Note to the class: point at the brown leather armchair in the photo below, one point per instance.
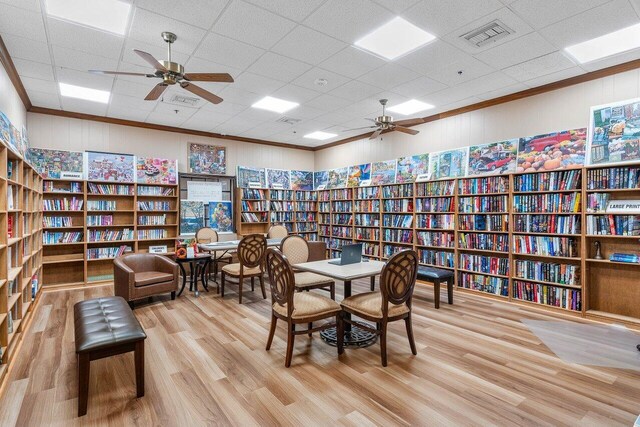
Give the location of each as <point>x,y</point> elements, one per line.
<point>142,275</point>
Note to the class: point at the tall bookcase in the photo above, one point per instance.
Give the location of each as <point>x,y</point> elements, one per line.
<point>324,219</point>
<point>341,219</point>
<point>252,211</point>
<point>306,214</point>
<point>281,209</point>
<point>367,220</point>
<point>435,223</point>
<point>397,218</point>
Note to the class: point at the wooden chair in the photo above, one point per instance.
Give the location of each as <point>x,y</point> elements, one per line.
<point>277,231</point>
<point>206,235</point>
<point>296,249</point>
<point>251,251</point>
<point>296,307</point>
<point>392,303</point>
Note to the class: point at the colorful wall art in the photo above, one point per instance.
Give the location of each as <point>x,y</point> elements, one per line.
<point>551,151</point>
<point>301,180</point>
<point>57,164</point>
<point>320,179</point>
<point>150,170</point>
<point>337,178</point>
<point>209,159</point>
<point>5,129</point>
<point>614,132</point>
<point>221,216</point>
<point>247,177</point>
<point>383,172</point>
<point>278,178</point>
<point>359,174</point>
<point>494,158</point>
<point>191,216</point>
<point>448,164</point>
<point>110,167</point>
<point>411,166</point>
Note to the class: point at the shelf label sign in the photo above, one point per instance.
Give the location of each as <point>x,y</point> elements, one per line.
<point>365,183</point>
<point>624,207</point>
<point>254,184</point>
<point>158,249</point>
<point>71,175</point>
<point>423,177</point>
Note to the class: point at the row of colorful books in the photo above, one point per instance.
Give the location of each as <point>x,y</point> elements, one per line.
<point>342,232</point>
<point>146,190</point>
<point>53,187</point>
<point>99,220</point>
<point>563,274</point>
<point>152,219</point>
<point>561,224</point>
<point>484,264</point>
<point>367,206</point>
<point>281,195</point>
<point>101,205</point>
<point>397,235</point>
<point>435,188</point>
<point>483,204</point>
<point>367,233</point>
<point>154,206</point>
<point>480,282</point>
<point>484,242</point>
<point>570,299</point>
<point>56,221</point>
<point>398,205</point>
<point>110,235</point>
<point>545,245</point>
<point>53,237</point>
<point>281,206</point>
<point>548,181</point>
<point>481,222</point>
<point>367,193</point>
<point>492,184</point>
<point>154,233</point>
<point>107,253</point>
<point>437,258</point>
<point>403,221</point>
<point>311,196</point>
<point>72,204</point>
<point>446,221</point>
<point>613,225</point>
<point>110,189</point>
<point>435,238</point>
<point>254,217</point>
<point>341,207</point>
<point>250,193</point>
<point>402,190</point>
<point>369,220</point>
<point>444,204</point>
<point>551,203</point>
<point>613,178</point>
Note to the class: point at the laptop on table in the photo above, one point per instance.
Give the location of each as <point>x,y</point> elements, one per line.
<point>351,254</point>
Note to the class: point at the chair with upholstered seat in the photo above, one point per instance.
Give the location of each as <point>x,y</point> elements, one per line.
<point>207,235</point>
<point>277,231</point>
<point>251,251</point>
<point>137,276</point>
<point>296,307</point>
<point>393,302</point>
<point>296,249</point>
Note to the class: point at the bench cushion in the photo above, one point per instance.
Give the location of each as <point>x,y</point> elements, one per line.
<point>102,323</point>
<point>147,278</point>
<point>430,273</point>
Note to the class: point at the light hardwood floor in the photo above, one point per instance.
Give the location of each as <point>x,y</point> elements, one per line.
<point>477,364</point>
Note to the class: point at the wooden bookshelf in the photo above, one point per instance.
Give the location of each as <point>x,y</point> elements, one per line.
<point>341,219</point>
<point>281,209</point>
<point>156,227</point>
<point>397,231</point>
<point>252,211</point>
<point>324,219</point>
<point>367,220</point>
<point>306,214</point>
<point>435,223</point>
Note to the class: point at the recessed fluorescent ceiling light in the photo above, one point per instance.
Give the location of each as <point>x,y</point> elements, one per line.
<point>274,104</point>
<point>106,15</point>
<point>394,39</point>
<point>410,107</point>
<point>320,135</point>
<point>85,93</point>
<point>607,45</point>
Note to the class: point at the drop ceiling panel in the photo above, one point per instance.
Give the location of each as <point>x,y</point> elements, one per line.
<point>22,23</point>
<point>352,62</point>
<point>396,6</point>
<point>388,76</point>
<point>541,13</point>
<point>37,85</point>
<point>165,119</point>
<point>296,94</point>
<point>307,45</point>
<point>28,49</point>
<point>518,50</point>
<point>81,61</point>
<point>45,100</point>
<point>147,26</point>
<point>227,51</point>
<point>420,87</point>
<point>80,78</point>
<point>432,56</point>
<point>328,102</point>
<point>539,67</point>
<point>555,76</point>
<point>158,49</point>
<point>201,13</point>
<point>77,37</point>
<point>308,80</point>
<point>355,91</point>
<point>128,114</point>
<point>138,89</point>
<point>33,69</point>
<point>442,17</point>
<point>32,5</point>
<point>293,9</point>
<point>279,67</point>
<point>119,102</point>
<point>257,84</point>
<point>82,106</point>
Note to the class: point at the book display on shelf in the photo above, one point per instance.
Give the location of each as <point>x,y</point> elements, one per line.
<point>397,218</point>
<point>341,219</point>
<point>306,214</point>
<point>435,221</point>
<point>366,220</point>
<point>252,210</point>
<point>324,217</point>
<point>281,208</point>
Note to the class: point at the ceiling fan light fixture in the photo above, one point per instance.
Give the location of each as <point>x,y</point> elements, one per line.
<point>106,15</point>
<point>85,93</point>
<point>319,135</point>
<point>394,39</point>
<point>275,104</point>
<point>410,107</point>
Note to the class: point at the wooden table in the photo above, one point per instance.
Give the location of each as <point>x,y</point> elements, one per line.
<point>346,273</point>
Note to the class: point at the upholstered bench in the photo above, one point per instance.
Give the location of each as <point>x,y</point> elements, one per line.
<point>105,327</point>
<point>436,276</point>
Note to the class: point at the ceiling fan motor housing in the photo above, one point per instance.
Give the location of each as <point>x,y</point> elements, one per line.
<point>175,72</point>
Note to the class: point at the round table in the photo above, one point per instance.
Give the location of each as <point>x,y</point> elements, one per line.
<point>197,268</point>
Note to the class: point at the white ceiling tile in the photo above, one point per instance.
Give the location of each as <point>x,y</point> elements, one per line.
<point>157,49</point>
<point>307,45</point>
<point>441,17</point>
<point>81,61</point>
<point>309,78</point>
<point>432,56</point>
<point>355,91</point>
<point>128,114</point>
<point>388,76</point>
<point>236,95</point>
<point>292,9</point>
<point>120,102</point>
<point>130,68</point>
<point>257,84</point>
<point>352,62</point>
<point>541,13</point>
<point>201,13</point>
<point>204,119</point>
<point>296,94</point>
<point>147,26</point>
<point>22,22</point>
<point>287,136</point>
<point>305,112</point>
<point>419,87</point>
<point>488,83</point>
<point>36,70</point>
<point>446,96</point>
<point>32,5</point>
<point>137,90</point>
<point>554,77</point>
<point>85,39</point>
<point>82,106</point>
<point>37,85</point>
<point>328,102</point>
<point>251,24</point>
<point>43,99</point>
<point>539,67</point>
<point>199,65</point>
<point>226,51</point>
<point>22,48</point>
<point>396,6</point>
<point>507,90</point>
<point>227,107</point>
<point>174,110</point>
<point>165,119</point>
<point>339,116</point>
<point>79,78</point>
<point>449,74</point>
<point>636,6</point>
<point>234,126</point>
<point>593,23</point>
<point>522,49</point>
<point>348,20</point>
<point>279,67</point>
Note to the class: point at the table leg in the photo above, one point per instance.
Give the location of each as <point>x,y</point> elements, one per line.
<point>184,278</point>
<point>373,283</point>
<point>194,277</point>
<point>347,293</point>
<point>204,276</point>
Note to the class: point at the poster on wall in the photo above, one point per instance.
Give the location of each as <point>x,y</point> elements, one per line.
<point>152,170</point>
<point>614,132</point>
<point>57,164</point>
<point>204,191</point>
<point>551,151</point>
<point>383,172</point>
<point>494,158</point>
<point>5,129</point>
<point>301,180</point>
<point>221,216</point>
<point>278,179</point>
<point>25,142</point>
<point>337,178</point>
<point>320,180</point>
<point>359,175</point>
<point>410,167</point>
<point>209,159</point>
<point>15,140</point>
<point>191,216</point>
<point>110,167</point>
<point>250,177</point>
<point>449,164</point>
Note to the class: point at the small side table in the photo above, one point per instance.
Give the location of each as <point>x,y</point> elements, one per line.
<point>197,268</point>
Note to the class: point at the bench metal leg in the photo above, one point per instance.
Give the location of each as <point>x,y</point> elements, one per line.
<point>436,292</point>
<point>139,362</point>
<point>84,363</point>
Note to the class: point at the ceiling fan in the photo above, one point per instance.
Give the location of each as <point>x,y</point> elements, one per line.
<point>172,73</point>
<point>385,122</point>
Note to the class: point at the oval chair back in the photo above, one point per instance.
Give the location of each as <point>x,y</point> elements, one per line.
<point>251,250</point>
<point>296,249</point>
<point>398,279</point>
<point>281,279</point>
<point>278,231</point>
<point>206,235</point>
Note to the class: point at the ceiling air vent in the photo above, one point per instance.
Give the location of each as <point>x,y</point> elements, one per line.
<point>288,120</point>
<point>486,34</point>
<point>186,101</point>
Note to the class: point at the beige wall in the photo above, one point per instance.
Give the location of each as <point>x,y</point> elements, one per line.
<point>78,135</point>
<point>10,102</point>
<point>553,111</point>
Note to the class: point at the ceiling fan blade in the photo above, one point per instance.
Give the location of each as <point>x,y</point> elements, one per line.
<point>406,130</point>
<point>150,60</point>
<point>371,120</point>
<point>409,122</point>
<point>375,134</point>
<point>209,77</point>
<point>197,90</point>
<point>366,127</point>
<point>156,92</point>
<point>121,73</point>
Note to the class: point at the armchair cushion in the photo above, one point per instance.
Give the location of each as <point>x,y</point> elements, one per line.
<point>370,304</point>
<point>234,270</point>
<point>306,278</point>
<point>146,278</point>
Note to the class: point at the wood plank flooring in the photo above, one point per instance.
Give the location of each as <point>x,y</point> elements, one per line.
<point>477,364</point>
